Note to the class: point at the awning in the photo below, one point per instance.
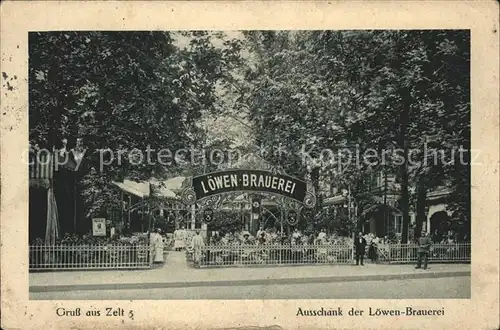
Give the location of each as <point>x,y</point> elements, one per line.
<point>167,188</point>
<point>339,199</point>
<point>139,189</point>
<point>161,191</point>
<point>174,184</point>
<point>379,207</point>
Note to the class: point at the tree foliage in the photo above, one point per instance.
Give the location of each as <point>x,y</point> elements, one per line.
<point>123,91</point>
<point>397,92</point>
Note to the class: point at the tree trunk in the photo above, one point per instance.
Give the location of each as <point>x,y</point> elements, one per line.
<point>403,141</point>
<point>315,174</point>
<point>421,202</point>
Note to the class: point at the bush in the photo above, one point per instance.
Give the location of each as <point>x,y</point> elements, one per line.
<point>73,239</point>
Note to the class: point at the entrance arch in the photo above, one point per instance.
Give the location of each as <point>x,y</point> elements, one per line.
<point>209,187</point>
<point>211,191</point>
<point>440,224</point>
<point>269,215</point>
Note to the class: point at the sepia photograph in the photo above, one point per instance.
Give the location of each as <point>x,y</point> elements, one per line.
<point>249,165</point>
<point>276,164</point>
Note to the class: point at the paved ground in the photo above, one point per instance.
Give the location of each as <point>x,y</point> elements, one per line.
<point>442,288</point>
<point>176,271</point>
<point>176,279</point>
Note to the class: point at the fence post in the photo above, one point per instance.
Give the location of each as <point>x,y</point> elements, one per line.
<point>280,253</point>
<point>353,253</point>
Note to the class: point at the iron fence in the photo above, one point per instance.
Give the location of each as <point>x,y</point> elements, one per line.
<point>111,256</point>
<point>408,253</point>
<point>279,254</point>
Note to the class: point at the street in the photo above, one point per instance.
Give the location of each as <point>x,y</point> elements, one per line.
<point>426,288</point>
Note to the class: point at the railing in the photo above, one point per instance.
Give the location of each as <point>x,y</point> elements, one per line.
<point>254,255</point>
<point>240,255</point>
<point>66,257</point>
<point>401,253</point>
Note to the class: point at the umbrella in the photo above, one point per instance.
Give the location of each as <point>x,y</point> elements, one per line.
<point>52,228</point>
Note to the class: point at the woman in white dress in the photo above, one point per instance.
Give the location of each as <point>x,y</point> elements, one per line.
<point>197,245</point>
<point>322,237</point>
<point>180,239</point>
<point>157,242</point>
<point>296,237</point>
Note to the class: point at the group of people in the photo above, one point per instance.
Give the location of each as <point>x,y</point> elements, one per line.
<point>195,244</point>
<point>184,239</point>
<point>180,238</point>
<point>449,237</point>
<point>271,236</point>
<point>360,243</point>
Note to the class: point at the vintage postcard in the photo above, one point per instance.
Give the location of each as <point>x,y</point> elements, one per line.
<point>263,165</point>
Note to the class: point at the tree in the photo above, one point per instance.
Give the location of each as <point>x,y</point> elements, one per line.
<point>122,91</point>
<point>407,86</point>
<point>361,90</point>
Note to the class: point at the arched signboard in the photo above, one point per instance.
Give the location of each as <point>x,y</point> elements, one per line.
<point>242,180</point>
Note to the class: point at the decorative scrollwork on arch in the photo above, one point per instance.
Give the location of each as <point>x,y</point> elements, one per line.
<point>188,196</point>
<point>310,197</point>
<point>212,202</point>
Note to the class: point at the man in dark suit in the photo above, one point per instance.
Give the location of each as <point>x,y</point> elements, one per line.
<point>424,247</point>
<point>360,247</point>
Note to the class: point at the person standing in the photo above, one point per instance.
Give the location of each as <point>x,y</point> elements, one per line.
<point>180,239</point>
<point>262,238</point>
<point>296,237</point>
<point>360,247</point>
<point>322,236</point>
<point>372,251</point>
<point>197,244</point>
<point>157,242</point>
<point>260,231</point>
<point>424,248</point>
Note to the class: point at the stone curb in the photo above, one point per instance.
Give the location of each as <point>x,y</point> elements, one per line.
<point>264,281</point>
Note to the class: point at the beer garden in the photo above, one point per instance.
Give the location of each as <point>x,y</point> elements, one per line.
<point>90,211</point>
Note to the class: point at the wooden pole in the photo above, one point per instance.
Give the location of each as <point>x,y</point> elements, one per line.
<point>281,220</point>
<point>193,216</point>
<point>74,202</point>
<point>129,205</point>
